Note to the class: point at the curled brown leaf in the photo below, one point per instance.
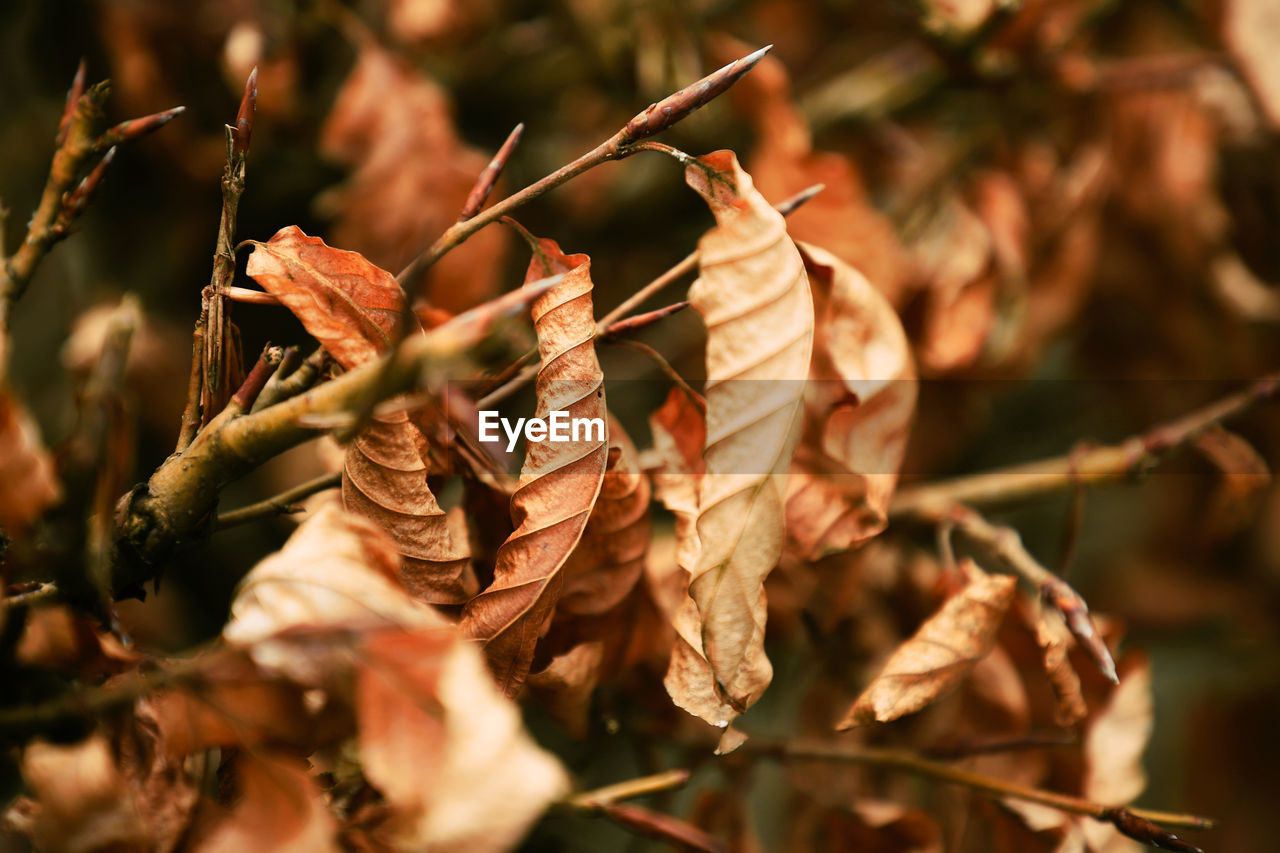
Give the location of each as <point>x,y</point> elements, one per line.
<point>559,482</point>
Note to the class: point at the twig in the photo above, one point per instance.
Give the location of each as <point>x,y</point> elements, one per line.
<point>289,382</point>
<point>218,359</point>
<point>630,788</point>
<point>281,504</point>
<point>639,321</point>
<point>41,593</point>
<point>487,178</point>
<point>179,496</point>
<point>655,119</point>
<point>991,786</point>
<point>63,199</point>
<point>1094,466</point>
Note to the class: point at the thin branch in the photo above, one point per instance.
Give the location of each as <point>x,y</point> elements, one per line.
<point>654,119</point>
<point>640,321</point>
<point>281,504</point>
<point>291,378</point>
<point>1095,466</point>
<point>65,195</point>
<point>487,178</point>
<point>39,593</point>
<point>664,781</point>
<point>988,785</point>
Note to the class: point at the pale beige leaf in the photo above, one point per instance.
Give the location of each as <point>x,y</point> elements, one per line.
<point>679,429</point>
<point>337,571</point>
<point>559,482</point>
<point>1113,748</point>
<point>1251,29</point>
<point>941,652</point>
<point>858,412</point>
<point>447,750</point>
<point>754,297</point>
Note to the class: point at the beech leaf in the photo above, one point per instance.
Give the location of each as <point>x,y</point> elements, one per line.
<point>559,482</point>
<point>940,653</point>
<point>280,808</point>
<point>27,482</point>
<point>445,748</point>
<point>753,295</point>
<point>353,307</point>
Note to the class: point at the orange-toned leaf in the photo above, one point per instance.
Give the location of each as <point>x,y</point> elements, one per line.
<point>564,686</point>
<point>754,297</point>
<point>559,482</point>
<point>1054,639</point>
<point>445,748</point>
<point>412,175</point>
<point>941,652</point>
<point>27,481</point>
<point>611,555</point>
<point>679,429</point>
<point>280,808</point>
<point>345,302</point>
<point>858,412</point>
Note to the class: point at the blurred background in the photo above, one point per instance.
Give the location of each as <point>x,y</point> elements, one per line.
<point>1072,203</point>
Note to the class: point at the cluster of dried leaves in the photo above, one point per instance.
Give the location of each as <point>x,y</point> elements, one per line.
<point>370,687</point>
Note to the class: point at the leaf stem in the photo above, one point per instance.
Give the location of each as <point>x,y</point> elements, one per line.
<point>281,504</point>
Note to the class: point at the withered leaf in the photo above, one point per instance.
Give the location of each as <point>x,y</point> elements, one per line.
<point>941,652</point>
<point>754,297</point>
<point>1055,640</point>
<point>559,482</point>
<point>858,412</point>
<point>345,302</point>
<point>679,429</point>
<point>27,482</point>
<point>337,571</point>
<point>445,748</point>
<point>565,685</point>
<point>353,307</point>
<point>611,555</point>
<point>1113,748</point>
<point>280,808</point>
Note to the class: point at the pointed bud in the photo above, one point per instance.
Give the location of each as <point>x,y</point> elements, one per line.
<point>485,181</point>
<point>73,99</point>
<point>671,109</point>
<point>243,129</point>
<point>134,128</point>
<point>80,197</point>
<point>789,206</point>
<point>1141,829</point>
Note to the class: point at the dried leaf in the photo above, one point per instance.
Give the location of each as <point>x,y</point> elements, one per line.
<point>611,555</point>
<point>679,429</point>
<point>353,307</point>
<point>100,795</point>
<point>564,687</point>
<point>559,482</point>
<point>858,412</point>
<point>347,303</point>
<point>1113,748</point>
<point>445,748</point>
<point>1054,639</point>
<point>280,808</point>
<point>337,571</point>
<point>754,298</point>
<point>939,654</point>
<point>27,482</point>
<point>412,176</point>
